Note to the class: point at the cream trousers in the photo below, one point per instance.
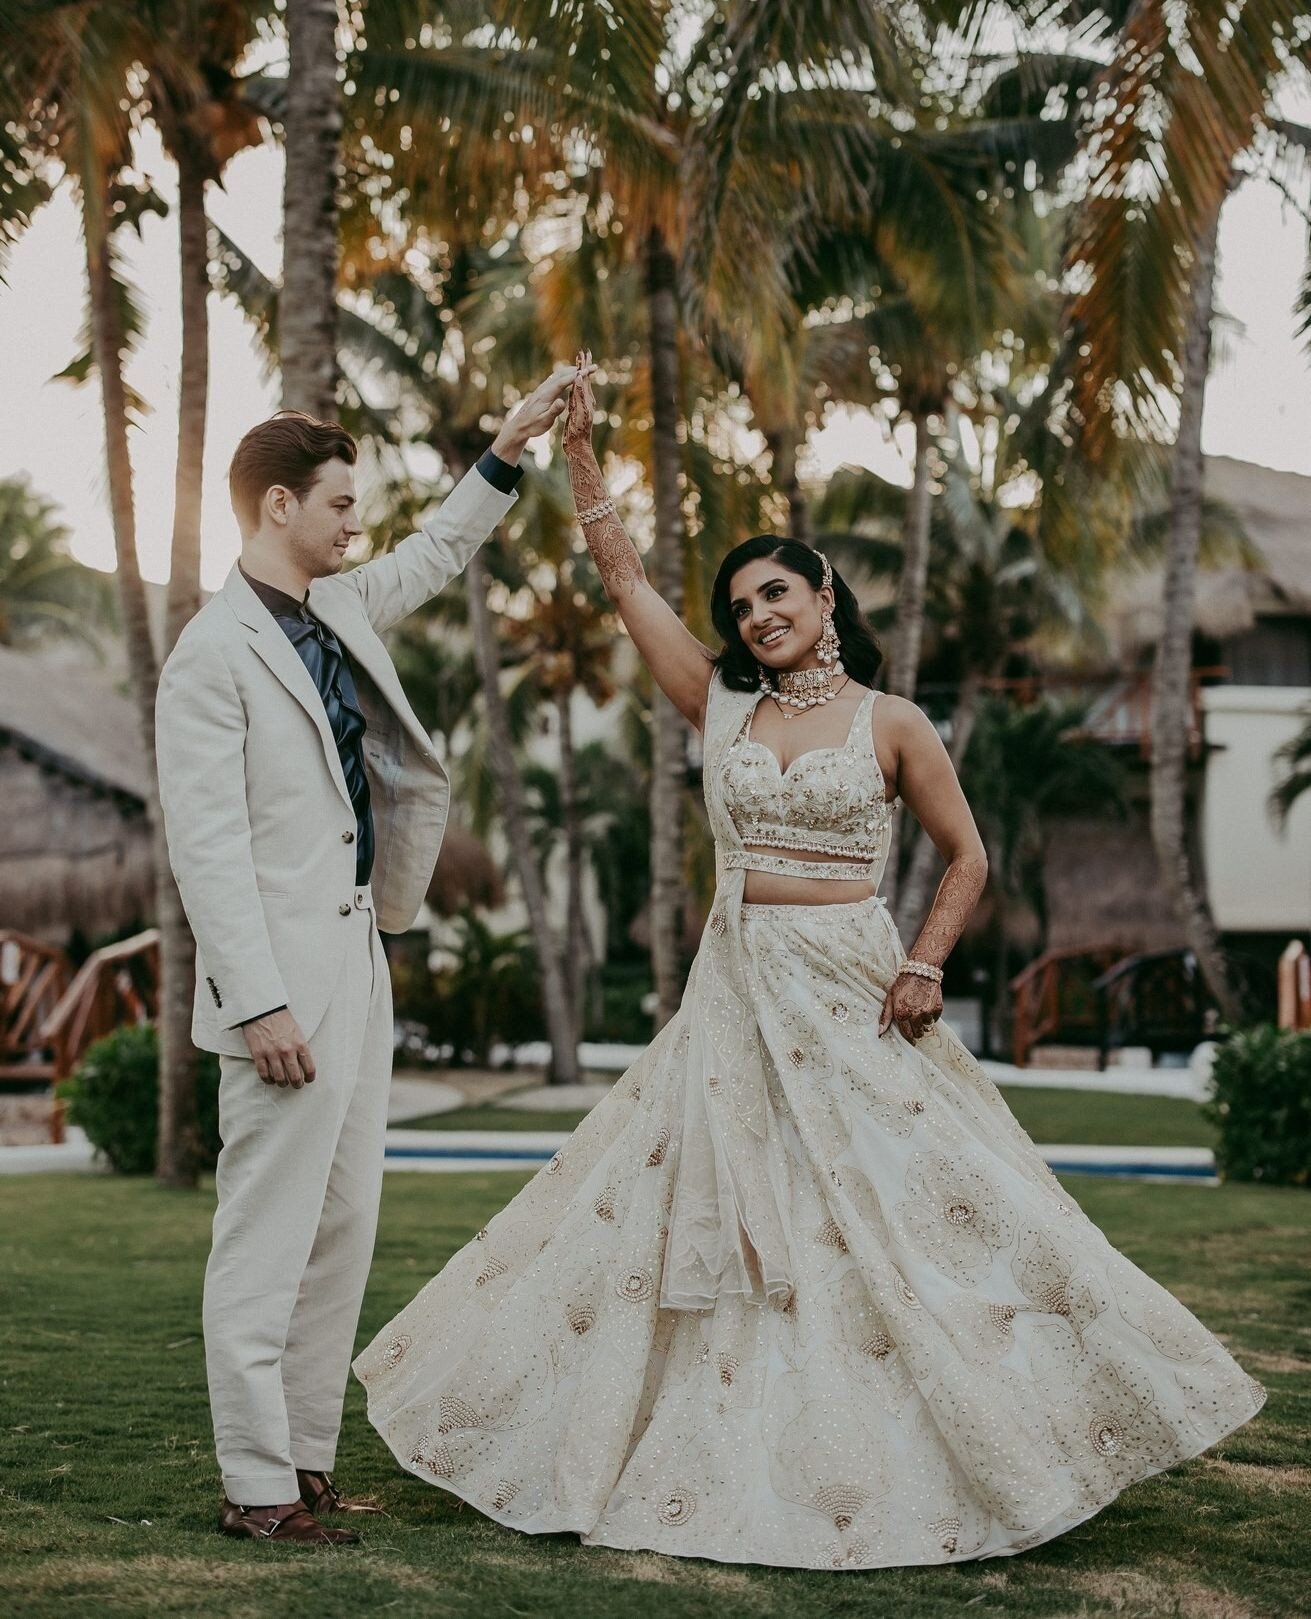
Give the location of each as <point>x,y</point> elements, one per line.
<point>299,1179</point>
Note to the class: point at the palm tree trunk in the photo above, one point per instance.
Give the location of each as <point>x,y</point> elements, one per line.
<point>177,1147</point>
<point>193,392</point>
<point>307,308</point>
<point>561,1028</point>
<point>669,753</point>
<point>578,955</point>
<point>1171,708</point>
<point>108,342</point>
<point>911,586</point>
<point>908,635</point>
<point>783,446</point>
<point>913,893</point>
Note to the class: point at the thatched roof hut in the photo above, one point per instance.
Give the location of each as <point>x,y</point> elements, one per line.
<point>1275,511</point>
<point>74,837</point>
<point>466,874</point>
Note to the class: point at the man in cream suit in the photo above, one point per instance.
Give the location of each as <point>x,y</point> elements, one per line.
<point>304,808</point>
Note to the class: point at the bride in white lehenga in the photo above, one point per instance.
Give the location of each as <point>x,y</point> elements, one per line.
<point>800,1291</point>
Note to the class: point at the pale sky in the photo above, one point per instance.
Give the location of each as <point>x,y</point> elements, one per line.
<point>1258,404</point>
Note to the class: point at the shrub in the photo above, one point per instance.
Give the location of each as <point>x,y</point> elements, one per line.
<point>622,1018</point>
<point>485,989</point>
<point>113,1096</point>
<point>1262,1106</point>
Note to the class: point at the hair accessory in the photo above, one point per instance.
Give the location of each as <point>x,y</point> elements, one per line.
<point>593,514</point>
<point>922,969</point>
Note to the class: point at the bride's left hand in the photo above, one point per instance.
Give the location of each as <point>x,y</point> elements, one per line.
<point>914,1004</point>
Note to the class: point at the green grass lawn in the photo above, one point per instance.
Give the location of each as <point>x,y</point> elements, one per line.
<point>1053,1116</point>
<point>108,1491</point>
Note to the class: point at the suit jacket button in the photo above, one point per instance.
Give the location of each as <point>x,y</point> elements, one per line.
<point>343,910</point>
<point>348,837</point>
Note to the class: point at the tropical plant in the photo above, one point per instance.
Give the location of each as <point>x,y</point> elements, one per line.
<point>113,1097</point>
<point>1024,765</point>
<point>567,637</point>
<point>44,590</point>
<point>69,94</point>
<point>1182,97</point>
<point>1293,761</point>
<point>484,989</point>
<point>1261,1106</point>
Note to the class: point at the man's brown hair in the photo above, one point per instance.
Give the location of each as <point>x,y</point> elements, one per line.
<point>288,449</point>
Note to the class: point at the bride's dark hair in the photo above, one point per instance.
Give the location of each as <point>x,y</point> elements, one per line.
<point>738,669</point>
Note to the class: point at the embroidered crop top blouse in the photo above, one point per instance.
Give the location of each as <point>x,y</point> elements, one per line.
<point>828,801</point>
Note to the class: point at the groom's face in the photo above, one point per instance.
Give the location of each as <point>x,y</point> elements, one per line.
<point>324,522</point>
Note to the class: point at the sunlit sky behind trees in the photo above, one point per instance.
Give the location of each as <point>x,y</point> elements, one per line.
<point>1258,406</point>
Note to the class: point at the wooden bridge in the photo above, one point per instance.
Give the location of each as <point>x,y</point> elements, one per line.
<point>50,1013</point>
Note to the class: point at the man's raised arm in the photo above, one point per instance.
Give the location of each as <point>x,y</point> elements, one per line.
<point>393,586</point>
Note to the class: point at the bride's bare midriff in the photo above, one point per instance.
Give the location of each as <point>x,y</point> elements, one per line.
<point>765,888</point>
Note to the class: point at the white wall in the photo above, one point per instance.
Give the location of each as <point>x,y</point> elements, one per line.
<point>1258,876</point>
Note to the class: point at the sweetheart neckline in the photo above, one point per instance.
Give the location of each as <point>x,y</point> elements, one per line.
<point>783,773</point>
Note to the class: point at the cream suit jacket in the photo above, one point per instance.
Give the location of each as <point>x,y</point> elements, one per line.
<point>261,832</point>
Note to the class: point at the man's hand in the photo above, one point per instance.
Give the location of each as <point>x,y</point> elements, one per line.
<point>578,423</point>
<point>538,414</point>
<point>278,1049</point>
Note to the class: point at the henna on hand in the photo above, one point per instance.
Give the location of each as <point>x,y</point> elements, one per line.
<point>915,1003</point>
<point>615,554</point>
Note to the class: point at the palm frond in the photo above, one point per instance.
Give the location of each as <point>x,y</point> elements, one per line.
<point>1182,98</point>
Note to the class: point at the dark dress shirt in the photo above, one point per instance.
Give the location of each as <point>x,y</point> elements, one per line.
<point>329,667</point>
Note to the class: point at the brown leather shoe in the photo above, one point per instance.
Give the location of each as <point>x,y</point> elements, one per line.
<point>321,1495</point>
<point>283,1524</point>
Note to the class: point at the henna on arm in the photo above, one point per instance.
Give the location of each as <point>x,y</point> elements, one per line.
<point>930,788</point>
<point>678,661</point>
<point>914,1003</point>
<point>958,894</point>
<point>607,539</point>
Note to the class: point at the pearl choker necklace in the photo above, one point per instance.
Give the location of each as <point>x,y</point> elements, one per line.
<point>806,688</point>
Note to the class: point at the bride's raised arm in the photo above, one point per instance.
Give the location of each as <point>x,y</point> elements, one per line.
<point>680,664</point>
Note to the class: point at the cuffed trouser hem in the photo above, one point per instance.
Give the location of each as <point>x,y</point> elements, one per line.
<point>261,1489</point>
<point>313,1461</point>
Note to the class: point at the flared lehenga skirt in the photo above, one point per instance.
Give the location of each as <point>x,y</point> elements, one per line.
<point>963,1366</point>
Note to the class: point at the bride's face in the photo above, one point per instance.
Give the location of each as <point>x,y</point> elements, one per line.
<point>778,613</point>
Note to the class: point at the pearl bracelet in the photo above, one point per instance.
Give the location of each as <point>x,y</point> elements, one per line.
<point>922,969</point>
<point>595,513</point>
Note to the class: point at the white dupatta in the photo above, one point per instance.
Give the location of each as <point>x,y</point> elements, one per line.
<point>728,1230</point>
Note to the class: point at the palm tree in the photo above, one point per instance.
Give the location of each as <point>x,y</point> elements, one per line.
<point>204,121</point>
<point>64,92</point>
<point>71,90</point>
<point>1023,766</point>
<point>44,590</point>
<point>312,124</point>
<point>1294,760</point>
<point>567,638</point>
<point>1171,693</point>
<point>1180,104</point>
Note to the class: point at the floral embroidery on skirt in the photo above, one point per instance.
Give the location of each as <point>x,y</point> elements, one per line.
<point>960,1365</point>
